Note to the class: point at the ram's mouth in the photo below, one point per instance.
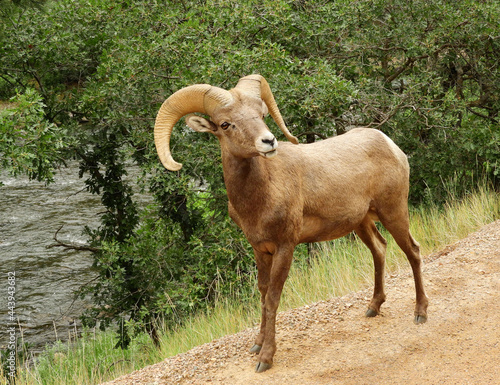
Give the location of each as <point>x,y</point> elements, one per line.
<point>269,154</point>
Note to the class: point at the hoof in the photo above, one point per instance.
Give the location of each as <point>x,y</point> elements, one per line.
<point>255,349</point>
<point>420,319</point>
<point>262,367</point>
<point>371,313</point>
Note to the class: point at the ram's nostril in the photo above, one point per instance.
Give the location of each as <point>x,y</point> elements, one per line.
<point>269,141</point>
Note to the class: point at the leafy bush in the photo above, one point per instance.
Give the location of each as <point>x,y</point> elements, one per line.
<point>29,144</point>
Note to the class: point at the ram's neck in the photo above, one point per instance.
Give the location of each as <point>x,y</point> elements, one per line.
<point>246,181</point>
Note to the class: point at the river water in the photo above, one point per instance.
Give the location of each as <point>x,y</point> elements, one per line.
<point>46,278</point>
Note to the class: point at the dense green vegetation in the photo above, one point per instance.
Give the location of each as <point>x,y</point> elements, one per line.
<point>84,80</point>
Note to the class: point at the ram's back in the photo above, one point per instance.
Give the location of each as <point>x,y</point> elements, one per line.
<point>345,177</point>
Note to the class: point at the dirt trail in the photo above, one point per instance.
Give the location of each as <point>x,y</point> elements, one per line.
<point>331,342</point>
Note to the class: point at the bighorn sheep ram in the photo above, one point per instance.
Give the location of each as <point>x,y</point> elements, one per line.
<point>282,194</point>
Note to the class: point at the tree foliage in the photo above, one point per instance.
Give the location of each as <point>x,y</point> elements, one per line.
<point>29,144</point>
<point>90,77</point>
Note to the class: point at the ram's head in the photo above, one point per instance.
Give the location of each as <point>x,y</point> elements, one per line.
<point>236,118</point>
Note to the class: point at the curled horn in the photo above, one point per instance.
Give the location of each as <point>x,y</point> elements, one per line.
<point>202,98</point>
<point>258,86</point>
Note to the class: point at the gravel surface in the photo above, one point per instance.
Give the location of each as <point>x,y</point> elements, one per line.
<point>331,342</point>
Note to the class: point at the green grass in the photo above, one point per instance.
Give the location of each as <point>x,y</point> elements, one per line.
<point>338,267</point>
<point>88,360</point>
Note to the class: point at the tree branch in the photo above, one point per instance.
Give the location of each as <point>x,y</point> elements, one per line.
<point>482,115</point>
<point>70,246</point>
<point>409,62</point>
<point>312,133</point>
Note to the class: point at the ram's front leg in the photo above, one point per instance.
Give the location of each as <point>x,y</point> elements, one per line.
<point>264,263</point>
<point>273,271</point>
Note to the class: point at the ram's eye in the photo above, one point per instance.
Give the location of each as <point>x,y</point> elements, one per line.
<point>225,125</point>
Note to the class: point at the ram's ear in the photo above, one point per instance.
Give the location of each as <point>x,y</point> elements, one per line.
<point>200,124</point>
<point>265,110</point>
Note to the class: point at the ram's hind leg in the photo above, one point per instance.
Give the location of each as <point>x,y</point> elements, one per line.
<point>369,234</point>
<point>399,227</point>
